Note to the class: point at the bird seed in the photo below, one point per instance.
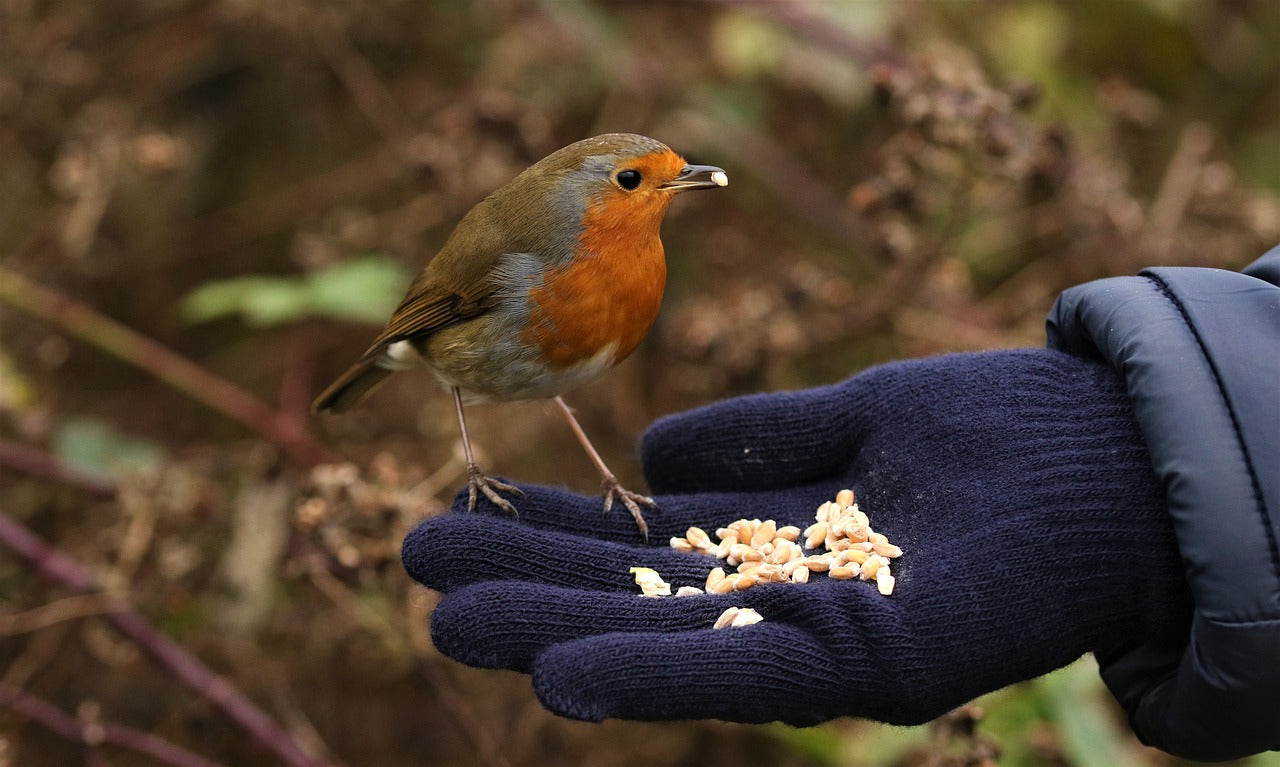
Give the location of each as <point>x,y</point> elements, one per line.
<point>839,543</point>
<point>737,616</point>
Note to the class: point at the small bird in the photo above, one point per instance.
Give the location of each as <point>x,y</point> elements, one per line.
<point>545,284</point>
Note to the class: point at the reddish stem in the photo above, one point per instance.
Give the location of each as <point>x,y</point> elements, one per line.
<point>89,325</point>
<point>169,654</point>
<point>37,463</point>
<point>96,734</point>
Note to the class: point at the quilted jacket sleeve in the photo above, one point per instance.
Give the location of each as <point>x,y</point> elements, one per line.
<point>1199,350</point>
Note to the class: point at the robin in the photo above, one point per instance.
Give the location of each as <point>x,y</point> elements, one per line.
<point>545,284</point>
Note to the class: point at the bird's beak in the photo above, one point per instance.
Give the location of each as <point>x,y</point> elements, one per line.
<point>697,177</point>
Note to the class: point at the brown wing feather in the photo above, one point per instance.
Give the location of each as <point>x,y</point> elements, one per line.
<point>417,316</point>
<point>459,283</point>
<point>420,315</point>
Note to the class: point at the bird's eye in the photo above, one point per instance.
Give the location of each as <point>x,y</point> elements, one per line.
<point>628,179</point>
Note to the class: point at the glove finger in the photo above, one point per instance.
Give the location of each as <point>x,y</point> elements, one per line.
<point>454,550</point>
<point>505,624</point>
<point>757,442</point>
<point>555,510</point>
<point>759,673</point>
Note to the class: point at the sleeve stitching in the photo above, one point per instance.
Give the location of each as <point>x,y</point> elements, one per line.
<point>1256,485</point>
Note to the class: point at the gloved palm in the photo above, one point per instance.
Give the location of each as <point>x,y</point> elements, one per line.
<point>1016,483</point>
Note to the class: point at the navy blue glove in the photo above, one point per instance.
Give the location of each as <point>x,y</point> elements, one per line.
<point>1017,484</point>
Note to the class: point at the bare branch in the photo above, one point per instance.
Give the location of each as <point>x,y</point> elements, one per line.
<point>87,324</point>
<point>169,654</point>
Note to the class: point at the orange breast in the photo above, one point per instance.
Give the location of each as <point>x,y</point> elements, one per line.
<point>609,296</point>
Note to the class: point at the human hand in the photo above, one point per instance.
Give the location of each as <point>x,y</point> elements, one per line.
<point>1016,483</point>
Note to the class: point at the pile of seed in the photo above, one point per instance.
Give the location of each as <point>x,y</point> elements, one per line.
<point>839,543</point>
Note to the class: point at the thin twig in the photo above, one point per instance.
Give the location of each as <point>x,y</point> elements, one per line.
<point>94,734</point>
<point>1178,186</point>
<point>349,604</point>
<point>371,95</point>
<point>87,324</point>
<point>40,651</point>
<point>57,611</point>
<point>37,463</point>
<point>169,654</point>
<point>469,724</point>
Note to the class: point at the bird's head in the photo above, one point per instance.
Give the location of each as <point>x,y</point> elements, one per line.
<point>613,186</point>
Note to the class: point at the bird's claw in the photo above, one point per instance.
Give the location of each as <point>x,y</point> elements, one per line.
<point>612,490</point>
<point>478,482</point>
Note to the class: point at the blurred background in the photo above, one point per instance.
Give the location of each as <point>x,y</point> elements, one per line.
<point>207,209</point>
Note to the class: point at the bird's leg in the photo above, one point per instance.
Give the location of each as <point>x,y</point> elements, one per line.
<point>610,487</point>
<point>476,479</point>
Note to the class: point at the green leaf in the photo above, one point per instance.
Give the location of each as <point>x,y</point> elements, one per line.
<point>260,300</point>
<point>1089,733</point>
<point>1265,759</point>
<point>99,448</point>
<point>367,289</point>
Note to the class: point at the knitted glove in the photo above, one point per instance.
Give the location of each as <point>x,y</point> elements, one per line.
<point>1016,483</point>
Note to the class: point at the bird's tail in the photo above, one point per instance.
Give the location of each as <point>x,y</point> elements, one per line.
<point>351,387</point>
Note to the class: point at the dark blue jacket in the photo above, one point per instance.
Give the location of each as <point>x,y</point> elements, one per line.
<point>1200,352</point>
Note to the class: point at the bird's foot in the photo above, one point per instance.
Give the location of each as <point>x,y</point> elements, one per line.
<point>613,490</point>
<point>478,482</point>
